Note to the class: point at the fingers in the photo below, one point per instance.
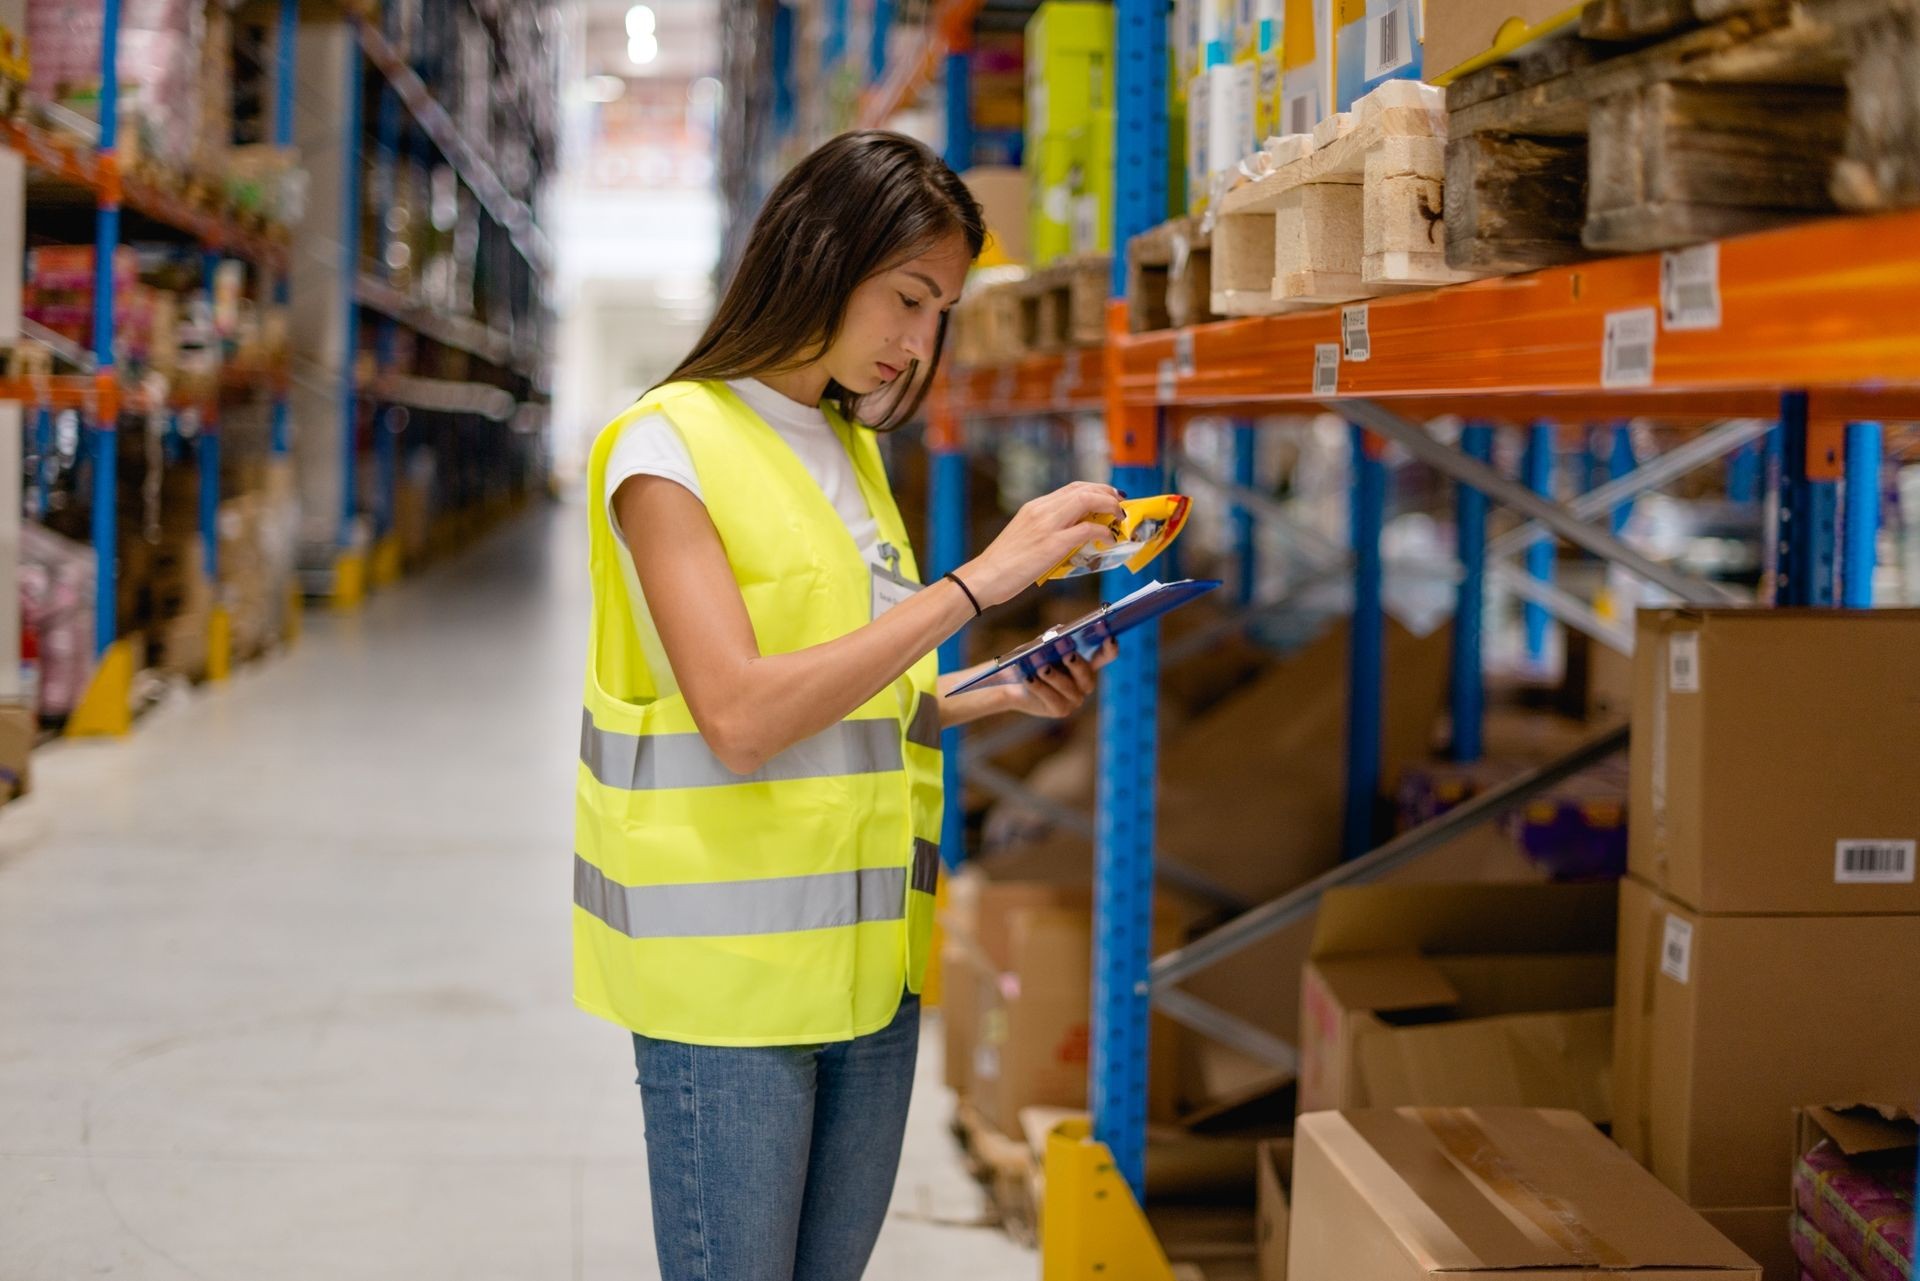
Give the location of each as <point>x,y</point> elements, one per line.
<point>1104,655</point>
<point>1082,674</point>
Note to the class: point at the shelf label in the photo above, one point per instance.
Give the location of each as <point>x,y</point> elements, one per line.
<point>1326,369</point>
<point>1683,663</point>
<point>1166,383</point>
<point>1303,111</point>
<point>1873,862</point>
<point>1183,364</point>
<point>1676,950</point>
<point>1626,354</point>
<point>1690,288</point>
<point>1389,44</point>
<point>1355,342</point>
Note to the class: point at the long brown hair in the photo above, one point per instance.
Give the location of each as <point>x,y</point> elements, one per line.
<point>862,204</point>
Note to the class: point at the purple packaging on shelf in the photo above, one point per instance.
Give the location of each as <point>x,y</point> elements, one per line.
<point>1820,1259</point>
<point>1854,1185</point>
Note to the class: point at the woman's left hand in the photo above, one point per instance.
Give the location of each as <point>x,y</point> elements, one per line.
<point>1059,690</point>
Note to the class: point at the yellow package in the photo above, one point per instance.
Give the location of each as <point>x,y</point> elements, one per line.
<point>1147,528</point>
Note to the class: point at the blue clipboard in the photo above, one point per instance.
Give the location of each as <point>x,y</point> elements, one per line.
<point>1086,635</point>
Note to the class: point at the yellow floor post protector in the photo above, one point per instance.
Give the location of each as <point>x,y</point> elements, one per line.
<point>1094,1229</point>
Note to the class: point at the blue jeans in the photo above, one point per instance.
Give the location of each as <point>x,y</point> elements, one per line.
<point>775,1164</point>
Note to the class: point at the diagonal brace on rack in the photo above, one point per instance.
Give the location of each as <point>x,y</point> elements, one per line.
<point>1444,458</point>
<point>1296,905</point>
<point>1563,605</point>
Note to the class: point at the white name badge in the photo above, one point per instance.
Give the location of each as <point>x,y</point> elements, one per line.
<point>890,588</point>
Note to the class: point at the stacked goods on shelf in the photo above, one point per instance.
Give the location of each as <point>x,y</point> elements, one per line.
<point>1466,995</point>
<point>1604,142</point>
<point>1347,212</point>
<point>160,71</point>
<point>1170,276</point>
<point>1853,1194</point>
<point>1376,41</point>
<point>1771,902</point>
<point>1070,122</point>
<point>997,65</point>
<point>1486,1192</point>
<point>56,608</point>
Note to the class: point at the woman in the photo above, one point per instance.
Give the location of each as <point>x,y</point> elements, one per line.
<point>759,798</point>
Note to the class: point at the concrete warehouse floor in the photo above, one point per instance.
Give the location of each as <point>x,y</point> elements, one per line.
<point>284,976</point>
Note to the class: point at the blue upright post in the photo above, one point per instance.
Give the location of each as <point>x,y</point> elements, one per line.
<point>947,548</point>
<point>1622,462</point>
<point>207,443</point>
<point>782,70</point>
<point>1129,703</point>
<point>349,271</point>
<point>43,459</point>
<point>106,244</point>
<point>833,49</point>
<point>1540,555</point>
<point>1469,611</point>
<point>877,46</point>
<point>386,336</point>
<point>1808,509</point>
<point>1858,550</point>
<point>959,69</point>
<point>1244,544</point>
<point>1365,668</point>
<point>283,83</point>
<point>1743,473</point>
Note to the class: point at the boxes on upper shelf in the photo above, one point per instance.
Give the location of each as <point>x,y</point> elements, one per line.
<point>1774,762</point>
<point>1069,67</point>
<point>1306,65</point>
<point>1438,995</point>
<point>1725,1024</point>
<point>1853,1191</point>
<point>1515,1193</point>
<point>1460,34</point>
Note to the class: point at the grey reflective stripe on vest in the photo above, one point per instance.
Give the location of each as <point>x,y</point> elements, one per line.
<point>924,729</point>
<point>651,762</point>
<point>926,866</point>
<point>727,909</point>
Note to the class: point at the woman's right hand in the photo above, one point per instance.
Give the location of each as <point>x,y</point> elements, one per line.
<point>1040,536</point>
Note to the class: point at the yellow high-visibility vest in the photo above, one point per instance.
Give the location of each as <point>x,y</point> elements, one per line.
<point>790,906</point>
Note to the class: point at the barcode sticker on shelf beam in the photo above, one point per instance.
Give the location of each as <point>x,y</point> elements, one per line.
<point>1389,43</point>
<point>1326,369</point>
<point>1683,663</point>
<point>1166,382</point>
<point>1183,363</point>
<point>1355,342</point>
<point>1690,288</point>
<point>1676,950</point>
<point>1873,862</point>
<point>1626,354</point>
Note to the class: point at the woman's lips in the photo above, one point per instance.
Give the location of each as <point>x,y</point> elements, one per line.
<point>887,372</point>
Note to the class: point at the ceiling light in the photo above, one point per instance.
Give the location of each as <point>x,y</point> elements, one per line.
<point>642,50</point>
<point>640,21</point>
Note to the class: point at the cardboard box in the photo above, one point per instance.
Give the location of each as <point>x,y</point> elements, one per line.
<point>1728,1023</point>
<point>1019,999</point>
<point>1773,764</point>
<point>1052,163</point>
<point>1515,1193</point>
<point>1306,65</point>
<point>1472,995</point>
<point>1462,34</point>
<point>1273,1175</point>
<point>1002,193</point>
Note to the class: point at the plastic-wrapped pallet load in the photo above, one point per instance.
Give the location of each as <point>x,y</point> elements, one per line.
<point>160,70</point>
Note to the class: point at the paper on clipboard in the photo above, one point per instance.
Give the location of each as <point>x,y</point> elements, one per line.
<point>1085,635</point>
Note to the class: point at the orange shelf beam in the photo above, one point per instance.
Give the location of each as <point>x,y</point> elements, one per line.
<point>1071,382</point>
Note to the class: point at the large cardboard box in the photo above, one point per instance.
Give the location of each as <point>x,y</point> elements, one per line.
<point>1763,1235</point>
<point>1515,1193</point>
<point>1776,759</point>
<point>1726,1024</point>
<point>1463,33</point>
<point>1473,995</point>
<point>1002,193</point>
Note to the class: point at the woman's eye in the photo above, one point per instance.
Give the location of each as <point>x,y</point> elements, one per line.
<point>911,304</point>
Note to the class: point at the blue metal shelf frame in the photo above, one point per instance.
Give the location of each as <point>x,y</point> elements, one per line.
<point>387,128</point>
<point>106,449</point>
<point>1468,688</point>
<point>207,443</point>
<point>1245,548</point>
<point>1539,468</point>
<point>1365,668</point>
<point>288,34</point>
<point>959,95</point>
<point>349,394</point>
<point>1808,516</point>
<point>1858,551</point>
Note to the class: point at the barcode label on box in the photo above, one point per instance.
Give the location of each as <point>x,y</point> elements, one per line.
<point>1683,663</point>
<point>1389,45</point>
<point>1326,369</point>
<point>1165,381</point>
<point>1873,862</point>
<point>1690,288</point>
<point>1183,354</point>
<point>1355,342</point>
<point>1626,355</point>
<point>1303,112</point>
<point>1676,950</point>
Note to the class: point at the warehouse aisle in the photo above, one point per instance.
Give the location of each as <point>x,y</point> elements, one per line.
<point>284,976</point>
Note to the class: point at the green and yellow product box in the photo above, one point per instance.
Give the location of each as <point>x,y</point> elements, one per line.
<point>1069,66</point>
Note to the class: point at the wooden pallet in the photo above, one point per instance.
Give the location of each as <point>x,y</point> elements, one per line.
<point>1738,115</point>
<point>1351,211</point>
<point>1170,277</point>
<point>1065,305</point>
<point>1005,1167</point>
<point>987,325</point>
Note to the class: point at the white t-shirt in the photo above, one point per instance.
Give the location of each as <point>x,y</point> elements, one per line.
<point>651,446</point>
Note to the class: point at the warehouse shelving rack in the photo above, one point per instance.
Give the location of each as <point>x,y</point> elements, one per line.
<point>1817,345</point>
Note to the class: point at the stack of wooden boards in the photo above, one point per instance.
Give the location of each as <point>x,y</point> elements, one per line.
<point>1054,310</point>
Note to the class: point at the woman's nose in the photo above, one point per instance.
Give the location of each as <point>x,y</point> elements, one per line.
<point>918,342</point>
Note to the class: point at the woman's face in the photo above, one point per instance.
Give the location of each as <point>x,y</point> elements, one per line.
<point>893,318</point>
